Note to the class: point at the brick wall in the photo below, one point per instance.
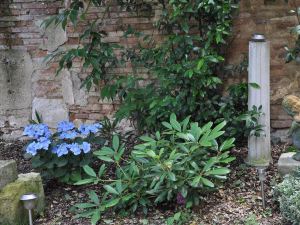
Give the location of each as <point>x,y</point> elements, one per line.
<point>61,98</point>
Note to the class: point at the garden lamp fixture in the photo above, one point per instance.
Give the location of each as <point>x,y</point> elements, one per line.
<point>262,177</point>
<point>29,201</point>
<point>259,153</point>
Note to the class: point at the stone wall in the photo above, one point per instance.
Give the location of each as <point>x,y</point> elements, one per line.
<point>28,84</point>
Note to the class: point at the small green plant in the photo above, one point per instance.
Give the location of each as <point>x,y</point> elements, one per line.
<point>179,218</point>
<point>251,220</point>
<point>287,194</point>
<point>175,165</point>
<point>39,118</point>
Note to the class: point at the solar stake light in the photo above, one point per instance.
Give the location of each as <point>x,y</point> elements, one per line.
<point>29,201</point>
<point>262,177</point>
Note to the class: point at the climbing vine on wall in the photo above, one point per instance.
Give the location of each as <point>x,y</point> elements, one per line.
<point>183,68</point>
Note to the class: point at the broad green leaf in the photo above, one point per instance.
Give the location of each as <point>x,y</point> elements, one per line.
<point>89,171</point>
<point>73,16</point>
<point>254,85</point>
<point>219,127</point>
<point>227,144</point>
<point>94,197</point>
<point>110,189</point>
<point>101,170</point>
<point>171,176</point>
<point>219,171</point>
<point>210,163</point>
<point>95,217</point>
<point>207,182</point>
<point>170,221</point>
<point>177,216</point>
<point>151,153</point>
<point>105,151</point>
<point>200,63</point>
<point>196,181</point>
<point>85,181</point>
<point>116,142</point>
<point>105,158</point>
<point>175,124</point>
<point>147,139</point>
<point>85,205</point>
<point>167,125</point>
<point>112,203</point>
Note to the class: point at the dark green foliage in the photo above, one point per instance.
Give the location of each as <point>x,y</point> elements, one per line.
<point>292,53</point>
<point>183,68</point>
<point>66,169</point>
<point>183,160</point>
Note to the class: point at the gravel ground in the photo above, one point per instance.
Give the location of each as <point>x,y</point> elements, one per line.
<point>237,202</point>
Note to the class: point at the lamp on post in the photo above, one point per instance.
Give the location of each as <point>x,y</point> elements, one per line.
<point>259,153</point>
<point>259,148</point>
<point>29,201</point>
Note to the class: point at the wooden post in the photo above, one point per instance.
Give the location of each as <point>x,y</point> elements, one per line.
<point>259,153</point>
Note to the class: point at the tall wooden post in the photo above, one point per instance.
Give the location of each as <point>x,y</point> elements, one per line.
<point>259,153</point>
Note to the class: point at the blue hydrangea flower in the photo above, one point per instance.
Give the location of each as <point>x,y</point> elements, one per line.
<point>86,129</point>
<point>37,130</point>
<point>31,149</point>
<point>75,148</point>
<point>43,143</point>
<point>86,147</point>
<point>62,150</point>
<point>64,126</point>
<point>68,135</point>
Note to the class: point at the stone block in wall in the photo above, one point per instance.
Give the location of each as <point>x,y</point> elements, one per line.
<point>67,87</point>
<point>51,110</point>
<point>281,124</point>
<point>55,37</point>
<point>285,86</point>
<point>15,80</point>
<point>280,136</point>
<point>80,94</point>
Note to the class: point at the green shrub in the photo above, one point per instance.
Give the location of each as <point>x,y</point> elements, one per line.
<point>175,165</point>
<point>288,195</point>
<point>183,68</point>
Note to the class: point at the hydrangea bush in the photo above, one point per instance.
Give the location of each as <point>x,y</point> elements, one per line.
<point>63,153</point>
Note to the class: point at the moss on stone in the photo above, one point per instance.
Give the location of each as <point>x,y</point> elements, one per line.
<point>12,211</point>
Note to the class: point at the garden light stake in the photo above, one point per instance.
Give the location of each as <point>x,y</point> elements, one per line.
<point>262,177</point>
<point>29,201</point>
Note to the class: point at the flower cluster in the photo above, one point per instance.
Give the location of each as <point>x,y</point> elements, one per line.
<point>41,133</point>
<point>75,148</point>
<point>66,133</point>
<point>37,130</point>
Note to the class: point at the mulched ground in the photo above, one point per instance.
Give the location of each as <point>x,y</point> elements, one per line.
<point>237,202</point>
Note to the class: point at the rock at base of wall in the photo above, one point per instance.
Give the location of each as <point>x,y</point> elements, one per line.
<point>286,163</point>
<point>12,211</point>
<point>8,172</point>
